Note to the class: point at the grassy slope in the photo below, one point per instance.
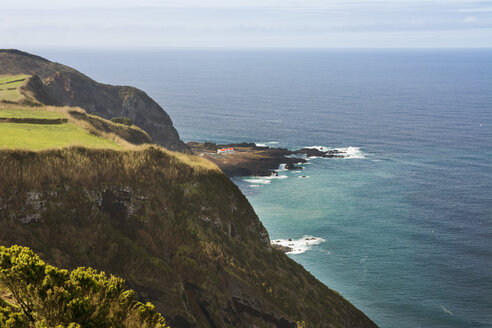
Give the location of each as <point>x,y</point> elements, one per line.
<point>80,130</point>
<point>40,136</point>
<point>64,86</point>
<point>44,136</point>
<point>174,226</point>
<point>9,87</point>
<point>179,231</point>
<point>22,112</point>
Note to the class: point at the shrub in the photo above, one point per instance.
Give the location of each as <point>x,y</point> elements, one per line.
<point>50,297</point>
<point>210,145</point>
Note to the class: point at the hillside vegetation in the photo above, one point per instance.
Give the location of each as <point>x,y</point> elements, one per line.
<point>43,296</point>
<point>10,85</point>
<point>172,225</point>
<point>82,191</point>
<point>43,127</point>
<point>58,85</point>
<point>14,89</point>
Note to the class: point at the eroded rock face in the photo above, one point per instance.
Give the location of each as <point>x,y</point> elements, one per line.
<point>186,240</point>
<point>60,85</point>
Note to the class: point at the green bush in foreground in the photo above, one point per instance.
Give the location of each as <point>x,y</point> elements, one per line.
<point>50,297</point>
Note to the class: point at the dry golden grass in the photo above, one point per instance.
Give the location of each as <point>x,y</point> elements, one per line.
<point>105,128</point>
<point>89,162</point>
<point>28,170</point>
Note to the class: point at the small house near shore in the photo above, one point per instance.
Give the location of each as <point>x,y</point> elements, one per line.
<point>225,150</point>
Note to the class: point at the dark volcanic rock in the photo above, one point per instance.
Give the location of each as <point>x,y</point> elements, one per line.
<point>291,166</point>
<point>313,152</point>
<point>284,249</point>
<point>60,85</point>
<point>259,167</point>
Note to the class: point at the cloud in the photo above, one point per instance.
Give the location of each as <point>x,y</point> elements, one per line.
<point>470,20</point>
<point>241,22</point>
<point>475,10</point>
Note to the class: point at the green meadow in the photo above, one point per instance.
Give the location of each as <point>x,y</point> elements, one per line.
<point>24,126</point>
<point>9,87</point>
<point>29,113</point>
<point>41,136</point>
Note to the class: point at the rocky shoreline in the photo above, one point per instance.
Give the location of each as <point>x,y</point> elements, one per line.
<point>248,159</point>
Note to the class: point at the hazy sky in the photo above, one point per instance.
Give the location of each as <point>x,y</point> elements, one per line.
<point>245,23</point>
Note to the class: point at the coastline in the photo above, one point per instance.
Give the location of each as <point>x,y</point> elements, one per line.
<point>249,159</point>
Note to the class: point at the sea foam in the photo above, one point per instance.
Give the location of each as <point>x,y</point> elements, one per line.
<point>300,245</point>
<point>281,168</point>
<point>347,152</point>
<point>265,144</point>
<point>259,181</point>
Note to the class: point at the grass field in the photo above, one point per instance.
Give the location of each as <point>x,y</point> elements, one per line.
<point>40,136</point>
<point>9,87</point>
<point>29,113</point>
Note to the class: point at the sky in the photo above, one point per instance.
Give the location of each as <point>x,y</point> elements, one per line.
<point>156,24</point>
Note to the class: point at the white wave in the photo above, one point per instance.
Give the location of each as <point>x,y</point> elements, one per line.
<point>278,177</point>
<point>281,168</point>
<point>446,310</point>
<point>300,245</point>
<point>265,144</point>
<point>296,171</point>
<point>352,152</point>
<point>255,186</point>
<point>347,152</point>
<point>258,181</point>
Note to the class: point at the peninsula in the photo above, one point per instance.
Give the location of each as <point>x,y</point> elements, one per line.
<point>249,159</point>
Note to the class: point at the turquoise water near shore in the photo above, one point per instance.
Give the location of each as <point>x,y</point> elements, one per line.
<point>407,224</point>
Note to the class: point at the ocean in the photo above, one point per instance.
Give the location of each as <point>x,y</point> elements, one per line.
<point>404,225</point>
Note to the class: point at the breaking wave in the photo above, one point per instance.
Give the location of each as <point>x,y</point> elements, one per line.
<point>300,245</point>
<point>348,152</point>
<point>258,181</point>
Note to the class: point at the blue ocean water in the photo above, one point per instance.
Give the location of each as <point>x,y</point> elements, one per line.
<point>407,224</point>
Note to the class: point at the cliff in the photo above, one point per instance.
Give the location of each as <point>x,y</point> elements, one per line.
<point>171,224</point>
<point>176,228</point>
<point>59,85</point>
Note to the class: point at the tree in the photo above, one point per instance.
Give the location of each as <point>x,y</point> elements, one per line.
<point>46,296</point>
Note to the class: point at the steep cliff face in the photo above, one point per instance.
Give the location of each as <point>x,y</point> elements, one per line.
<point>175,227</point>
<point>60,85</point>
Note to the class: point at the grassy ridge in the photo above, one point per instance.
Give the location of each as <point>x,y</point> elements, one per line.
<point>37,128</point>
<point>91,167</point>
<point>10,85</point>
<point>172,225</point>
<point>43,136</point>
<point>22,112</point>
<point>105,128</point>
